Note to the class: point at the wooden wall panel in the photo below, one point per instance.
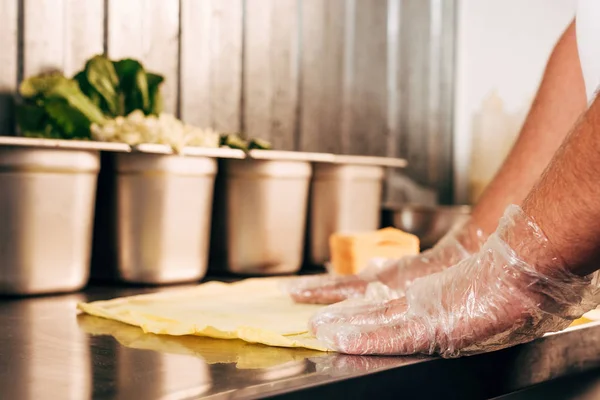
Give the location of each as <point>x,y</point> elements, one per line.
<point>445,47</point>
<point>425,106</point>
<point>9,25</point>
<point>125,28</point>
<point>226,68</point>
<point>161,46</point>
<point>61,34</point>
<point>43,36</point>
<point>414,73</point>
<point>323,26</point>
<point>84,33</point>
<point>365,125</point>
<point>149,31</point>
<point>271,71</point>
<point>196,62</point>
<point>393,83</point>
<point>211,63</point>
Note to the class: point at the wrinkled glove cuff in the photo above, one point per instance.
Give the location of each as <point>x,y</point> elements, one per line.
<point>514,290</point>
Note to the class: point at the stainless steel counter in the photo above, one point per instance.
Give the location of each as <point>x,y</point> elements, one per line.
<point>47,351</point>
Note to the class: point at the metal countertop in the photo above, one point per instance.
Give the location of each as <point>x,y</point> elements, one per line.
<point>48,351</point>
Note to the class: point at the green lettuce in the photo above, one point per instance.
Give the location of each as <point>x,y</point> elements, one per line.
<point>54,106</point>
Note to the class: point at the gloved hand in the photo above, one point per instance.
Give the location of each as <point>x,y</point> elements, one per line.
<point>396,274</point>
<point>512,291</point>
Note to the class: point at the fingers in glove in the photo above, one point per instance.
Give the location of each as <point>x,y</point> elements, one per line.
<point>358,312</point>
<point>512,291</point>
<point>406,336</point>
<point>325,289</point>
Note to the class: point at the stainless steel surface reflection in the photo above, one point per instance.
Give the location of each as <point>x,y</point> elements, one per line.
<point>47,351</point>
<point>43,354</point>
<point>170,376</point>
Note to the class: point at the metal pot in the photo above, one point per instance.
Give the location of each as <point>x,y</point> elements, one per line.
<point>429,224</point>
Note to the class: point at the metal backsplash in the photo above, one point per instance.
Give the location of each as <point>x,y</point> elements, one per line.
<point>370,77</point>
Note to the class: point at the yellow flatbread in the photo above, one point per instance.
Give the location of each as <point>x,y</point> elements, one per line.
<point>253,310</point>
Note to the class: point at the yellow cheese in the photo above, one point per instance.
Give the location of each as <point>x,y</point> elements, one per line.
<point>350,253</point>
<point>581,321</point>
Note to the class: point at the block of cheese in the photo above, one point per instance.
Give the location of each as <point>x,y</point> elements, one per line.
<point>580,321</point>
<point>350,253</point>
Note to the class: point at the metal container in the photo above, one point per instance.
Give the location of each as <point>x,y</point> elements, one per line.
<point>260,210</point>
<point>345,197</point>
<point>47,190</point>
<point>106,264</point>
<point>163,214</point>
<point>430,224</point>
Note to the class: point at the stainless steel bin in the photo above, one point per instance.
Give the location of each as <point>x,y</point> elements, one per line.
<point>262,223</point>
<point>163,214</point>
<point>47,190</point>
<point>346,196</point>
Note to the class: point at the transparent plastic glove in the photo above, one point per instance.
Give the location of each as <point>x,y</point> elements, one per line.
<point>396,274</point>
<point>514,290</point>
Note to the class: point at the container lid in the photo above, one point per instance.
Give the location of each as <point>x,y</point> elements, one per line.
<point>141,163</point>
<point>279,155</point>
<point>370,160</point>
<point>269,169</point>
<point>64,144</point>
<point>327,158</point>
<point>197,151</point>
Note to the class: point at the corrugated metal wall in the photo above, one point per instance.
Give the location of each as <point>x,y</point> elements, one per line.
<point>369,77</point>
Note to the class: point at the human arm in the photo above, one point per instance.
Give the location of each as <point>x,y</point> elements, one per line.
<point>566,201</point>
<point>532,276</point>
<point>560,100</point>
<point>558,103</point>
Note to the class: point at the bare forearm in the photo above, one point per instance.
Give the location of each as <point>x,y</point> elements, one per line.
<point>566,201</point>
<point>559,102</point>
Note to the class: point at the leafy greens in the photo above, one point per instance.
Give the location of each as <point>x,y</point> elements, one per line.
<point>55,106</point>
<point>105,91</point>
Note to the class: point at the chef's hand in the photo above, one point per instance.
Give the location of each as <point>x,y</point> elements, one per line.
<point>512,291</point>
<point>396,274</point>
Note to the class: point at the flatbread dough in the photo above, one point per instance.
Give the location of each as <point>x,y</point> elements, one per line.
<point>253,310</point>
